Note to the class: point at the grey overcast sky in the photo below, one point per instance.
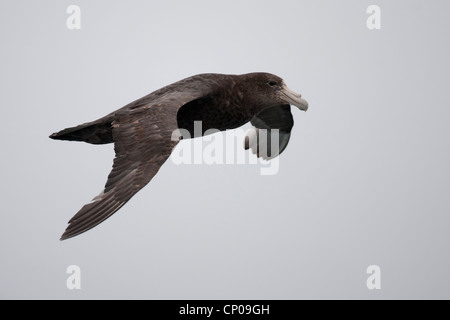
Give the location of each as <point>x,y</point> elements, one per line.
<point>364,180</point>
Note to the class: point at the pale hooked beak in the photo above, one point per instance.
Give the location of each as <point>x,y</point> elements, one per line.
<point>289,96</point>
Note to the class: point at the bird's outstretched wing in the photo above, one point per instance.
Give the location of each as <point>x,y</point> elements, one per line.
<point>142,142</point>
<point>259,138</point>
<point>142,132</point>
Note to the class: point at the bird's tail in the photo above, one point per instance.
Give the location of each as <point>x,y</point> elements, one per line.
<point>97,132</point>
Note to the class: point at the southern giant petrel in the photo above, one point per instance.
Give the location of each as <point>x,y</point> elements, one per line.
<point>142,130</point>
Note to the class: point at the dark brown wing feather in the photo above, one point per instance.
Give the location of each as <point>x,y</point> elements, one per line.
<point>142,144</point>
<point>278,117</point>
<point>142,134</point>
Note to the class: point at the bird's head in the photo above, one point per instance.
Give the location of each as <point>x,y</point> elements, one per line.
<point>271,91</point>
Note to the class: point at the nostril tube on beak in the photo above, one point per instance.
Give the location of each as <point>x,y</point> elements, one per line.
<point>293,98</point>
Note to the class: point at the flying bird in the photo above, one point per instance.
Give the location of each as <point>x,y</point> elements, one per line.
<point>142,131</point>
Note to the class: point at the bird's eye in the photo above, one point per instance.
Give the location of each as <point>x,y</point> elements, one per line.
<point>272,83</point>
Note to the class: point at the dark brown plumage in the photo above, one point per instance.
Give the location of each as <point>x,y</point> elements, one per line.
<point>142,130</point>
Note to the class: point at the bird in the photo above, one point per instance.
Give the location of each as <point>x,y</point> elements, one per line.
<point>143,130</point>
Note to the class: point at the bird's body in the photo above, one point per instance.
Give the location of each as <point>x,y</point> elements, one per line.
<point>143,131</point>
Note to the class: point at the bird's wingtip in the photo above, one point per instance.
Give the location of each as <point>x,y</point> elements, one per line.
<point>67,235</point>
<point>54,135</point>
